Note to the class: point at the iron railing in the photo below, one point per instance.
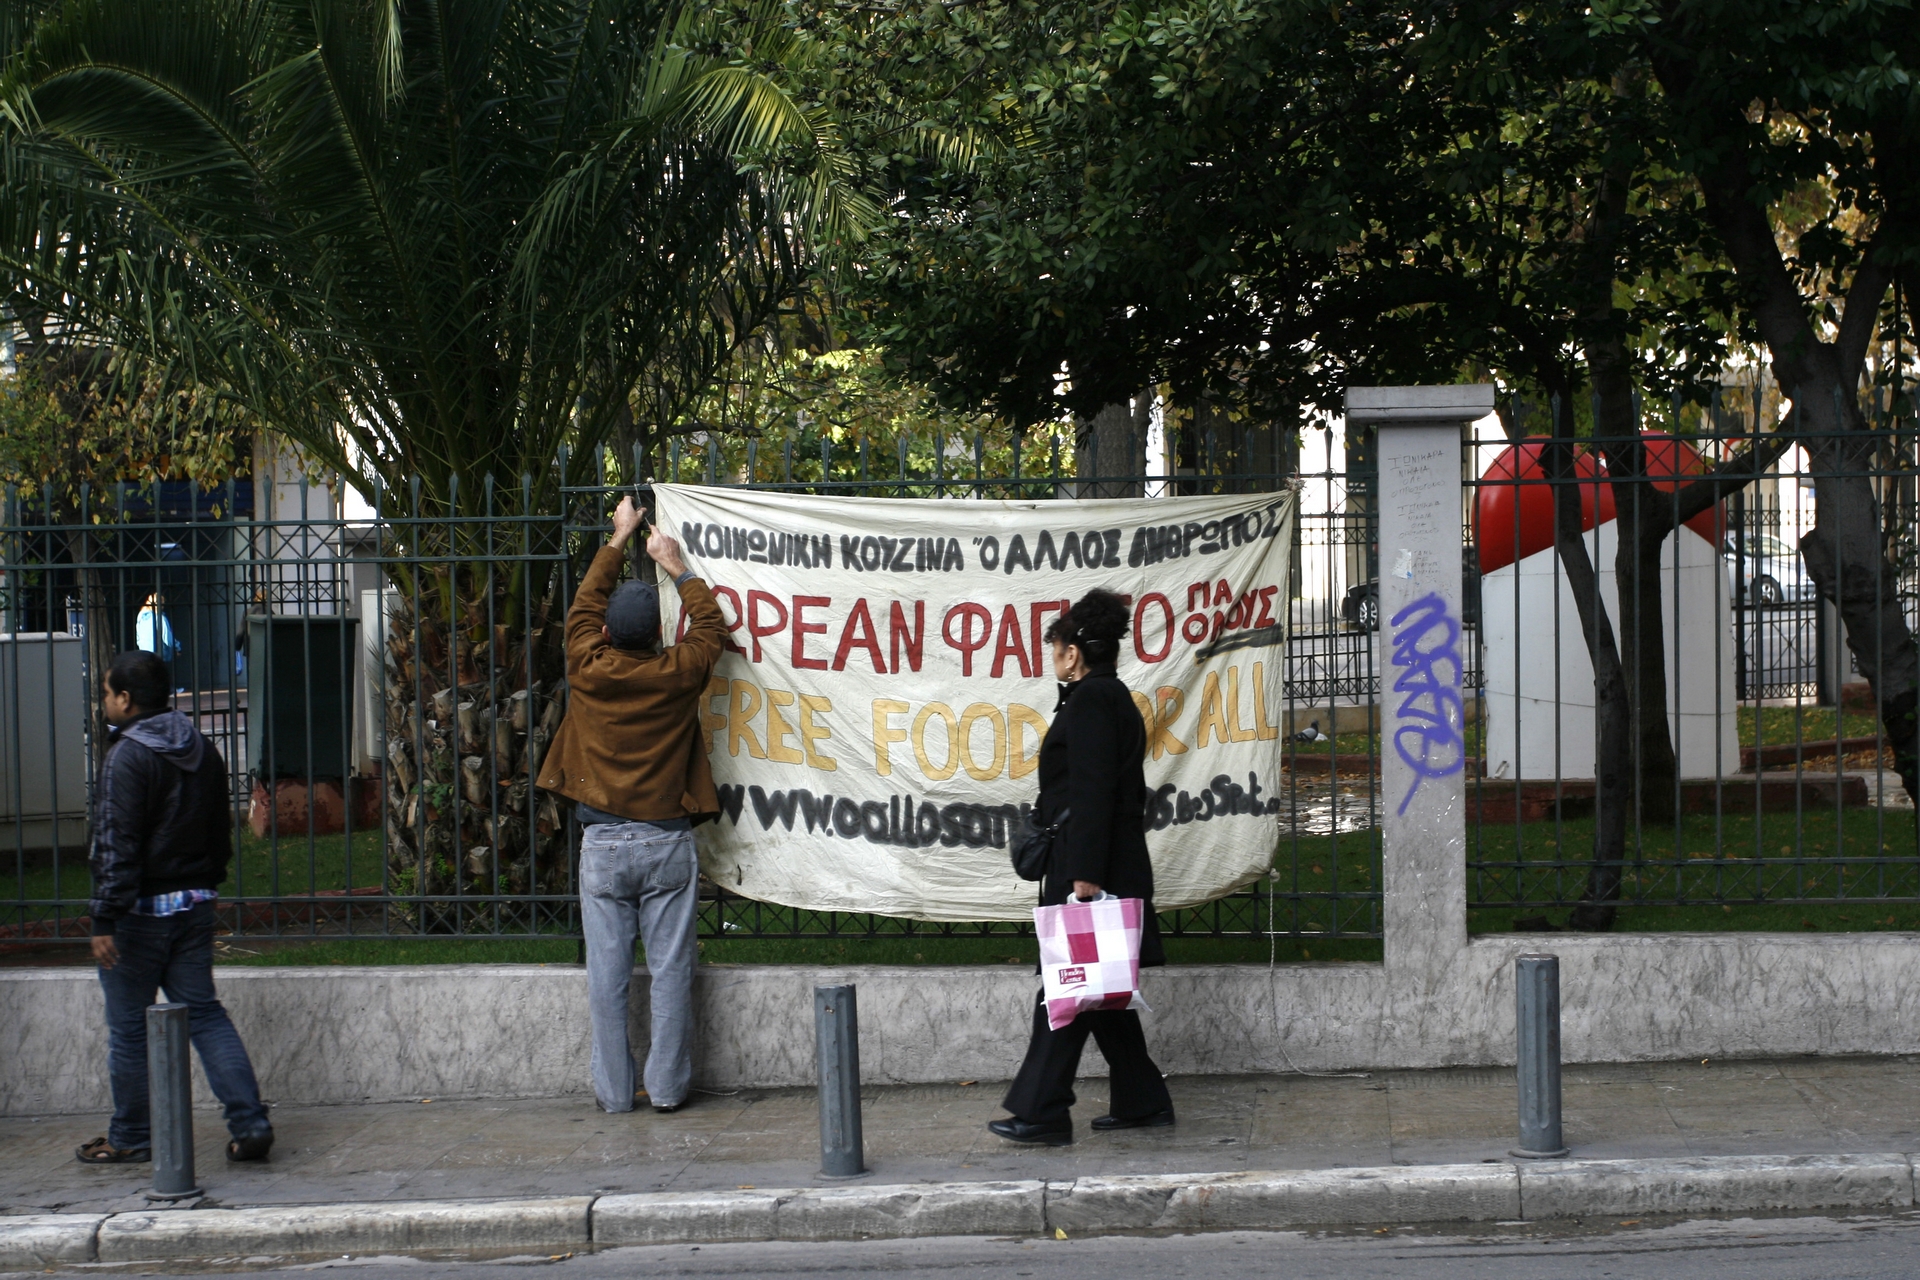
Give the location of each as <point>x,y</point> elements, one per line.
<point>422,820</point>
<point>382,757</point>
<point>1785,792</point>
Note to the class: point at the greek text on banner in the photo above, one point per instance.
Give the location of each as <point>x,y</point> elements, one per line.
<point>875,721</point>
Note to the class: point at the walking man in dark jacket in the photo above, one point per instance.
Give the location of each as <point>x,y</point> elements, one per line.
<point>162,839</point>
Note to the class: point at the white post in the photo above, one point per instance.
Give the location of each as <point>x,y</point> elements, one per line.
<point>1421,659</point>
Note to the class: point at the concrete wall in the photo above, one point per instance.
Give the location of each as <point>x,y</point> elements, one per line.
<point>445,1031</point>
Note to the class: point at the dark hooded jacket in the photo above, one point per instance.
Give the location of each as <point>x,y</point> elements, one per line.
<point>163,816</point>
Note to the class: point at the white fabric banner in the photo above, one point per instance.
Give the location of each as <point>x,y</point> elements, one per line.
<point>875,723</point>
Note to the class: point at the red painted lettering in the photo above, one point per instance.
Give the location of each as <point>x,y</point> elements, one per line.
<point>966,643</point>
<point>802,629</point>
<point>1139,627</point>
<point>1010,644</point>
<point>1038,610</point>
<point>755,629</point>
<point>719,594</point>
<point>899,637</point>
<point>859,634</point>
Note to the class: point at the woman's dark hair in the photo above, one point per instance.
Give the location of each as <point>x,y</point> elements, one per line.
<point>1097,622</point>
<point>143,677</point>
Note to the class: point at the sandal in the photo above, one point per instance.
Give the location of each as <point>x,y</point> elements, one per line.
<point>100,1151</point>
<point>252,1147</point>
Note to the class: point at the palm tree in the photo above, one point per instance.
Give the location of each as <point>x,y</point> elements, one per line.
<point>431,242</point>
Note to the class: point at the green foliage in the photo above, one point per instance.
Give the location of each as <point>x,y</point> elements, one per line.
<point>1106,229</point>
<point>1259,201</point>
<point>769,419</point>
<point>423,241</point>
<point>78,422</point>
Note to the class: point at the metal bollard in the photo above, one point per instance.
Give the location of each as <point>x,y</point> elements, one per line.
<point>836,1028</point>
<point>1537,1032</point>
<point>170,1094</point>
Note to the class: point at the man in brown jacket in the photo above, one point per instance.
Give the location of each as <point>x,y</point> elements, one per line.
<point>631,757</point>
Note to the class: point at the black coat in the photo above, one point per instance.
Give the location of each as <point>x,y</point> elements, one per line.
<point>1091,765</point>
<point>162,818</point>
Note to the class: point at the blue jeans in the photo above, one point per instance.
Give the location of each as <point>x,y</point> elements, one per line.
<point>636,878</point>
<point>174,952</point>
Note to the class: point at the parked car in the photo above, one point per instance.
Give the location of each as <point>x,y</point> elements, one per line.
<point>1361,606</point>
<point>1770,571</point>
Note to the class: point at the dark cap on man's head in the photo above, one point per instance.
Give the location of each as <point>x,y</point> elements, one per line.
<point>633,616</point>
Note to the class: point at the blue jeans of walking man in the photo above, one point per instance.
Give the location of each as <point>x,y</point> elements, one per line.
<point>175,953</point>
<point>639,878</point>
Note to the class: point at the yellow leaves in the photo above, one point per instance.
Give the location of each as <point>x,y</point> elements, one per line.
<point>81,423</point>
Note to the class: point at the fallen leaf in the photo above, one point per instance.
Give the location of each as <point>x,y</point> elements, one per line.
<point>1059,1233</point>
<point>425,1101</point>
<point>965,1083</point>
<point>558,1257</point>
<point>1630,1222</point>
<point>746,1186</point>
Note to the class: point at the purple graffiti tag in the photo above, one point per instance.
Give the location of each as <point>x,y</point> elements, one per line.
<point>1426,650</point>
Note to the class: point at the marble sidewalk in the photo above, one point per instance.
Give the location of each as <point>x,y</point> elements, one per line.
<point>935,1133</point>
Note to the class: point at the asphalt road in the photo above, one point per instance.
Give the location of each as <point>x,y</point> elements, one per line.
<point>1884,1248</point>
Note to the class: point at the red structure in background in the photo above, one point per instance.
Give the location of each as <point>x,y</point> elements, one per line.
<point>1513,507</point>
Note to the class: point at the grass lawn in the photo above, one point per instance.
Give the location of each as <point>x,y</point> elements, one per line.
<point>1771,725</point>
<point>799,951</point>
<point>1857,858</point>
<point>1309,870</point>
<point>261,868</point>
<point>1781,725</point>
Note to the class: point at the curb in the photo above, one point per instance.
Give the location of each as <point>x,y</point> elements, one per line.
<point>1151,1202</point>
<point>343,1228</point>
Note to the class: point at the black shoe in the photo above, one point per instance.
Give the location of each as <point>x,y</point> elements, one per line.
<point>1052,1133</point>
<point>1158,1120</point>
<point>667,1111</point>
<point>252,1147</point>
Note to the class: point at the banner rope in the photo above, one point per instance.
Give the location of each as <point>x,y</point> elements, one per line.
<point>1273,994</point>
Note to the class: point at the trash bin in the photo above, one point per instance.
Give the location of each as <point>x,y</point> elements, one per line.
<point>300,695</point>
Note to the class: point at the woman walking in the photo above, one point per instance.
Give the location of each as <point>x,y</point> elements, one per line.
<point>1091,771</point>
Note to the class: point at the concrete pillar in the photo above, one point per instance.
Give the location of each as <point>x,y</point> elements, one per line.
<point>1420,662</point>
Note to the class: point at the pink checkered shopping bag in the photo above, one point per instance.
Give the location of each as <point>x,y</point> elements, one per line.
<point>1090,956</point>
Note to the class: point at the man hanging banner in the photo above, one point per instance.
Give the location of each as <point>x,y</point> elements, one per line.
<point>875,724</point>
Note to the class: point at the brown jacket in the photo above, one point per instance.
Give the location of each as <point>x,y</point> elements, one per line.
<point>631,743</point>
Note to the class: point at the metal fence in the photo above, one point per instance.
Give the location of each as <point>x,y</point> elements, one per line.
<point>1779,786</point>
<point>383,687</point>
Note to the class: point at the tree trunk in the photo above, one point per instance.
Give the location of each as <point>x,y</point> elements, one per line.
<point>470,710</point>
<point>1845,554</point>
<point>1112,449</point>
<point>1845,557</point>
<point>1612,718</point>
<point>1642,523</point>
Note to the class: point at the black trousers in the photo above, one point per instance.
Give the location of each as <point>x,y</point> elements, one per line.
<point>1043,1090</point>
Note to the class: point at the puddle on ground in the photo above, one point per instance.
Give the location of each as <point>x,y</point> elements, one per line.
<point>1309,807</point>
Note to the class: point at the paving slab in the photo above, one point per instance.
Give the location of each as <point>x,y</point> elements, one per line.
<point>927,1134</point>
